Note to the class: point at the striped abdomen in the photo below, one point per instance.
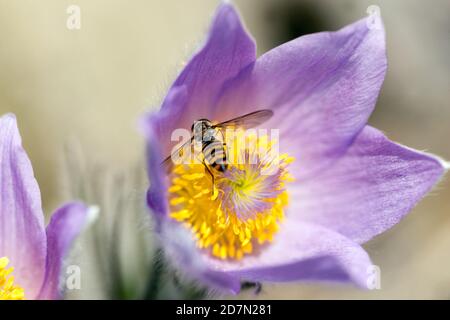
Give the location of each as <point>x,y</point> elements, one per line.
<point>215,154</point>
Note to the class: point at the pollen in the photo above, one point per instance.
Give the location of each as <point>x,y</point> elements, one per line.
<point>8,289</point>
<point>245,207</point>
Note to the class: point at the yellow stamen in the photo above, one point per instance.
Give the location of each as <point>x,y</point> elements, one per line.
<point>244,208</point>
<point>9,290</point>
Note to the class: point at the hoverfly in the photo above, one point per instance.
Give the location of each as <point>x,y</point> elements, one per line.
<point>211,137</point>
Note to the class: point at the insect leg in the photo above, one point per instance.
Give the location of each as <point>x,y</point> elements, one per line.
<point>211,174</point>
<point>212,178</point>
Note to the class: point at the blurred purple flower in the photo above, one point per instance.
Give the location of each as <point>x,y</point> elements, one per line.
<point>351,183</point>
<point>31,256</point>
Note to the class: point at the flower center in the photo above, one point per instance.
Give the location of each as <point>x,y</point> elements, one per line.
<point>243,209</point>
<point>9,290</point>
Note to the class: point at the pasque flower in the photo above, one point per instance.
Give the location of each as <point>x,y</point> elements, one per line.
<point>339,181</point>
<point>31,257</point>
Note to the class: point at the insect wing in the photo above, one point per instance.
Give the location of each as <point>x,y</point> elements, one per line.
<point>247,121</point>
<point>177,154</point>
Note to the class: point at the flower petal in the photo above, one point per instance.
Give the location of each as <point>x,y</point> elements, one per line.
<point>369,189</point>
<point>64,227</point>
<point>302,251</point>
<point>157,193</point>
<point>227,50</point>
<point>22,234</point>
<point>181,250</point>
<point>322,88</point>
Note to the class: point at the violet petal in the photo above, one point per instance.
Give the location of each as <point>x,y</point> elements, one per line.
<point>22,233</point>
<point>64,227</point>
<point>374,185</point>
<point>227,50</point>
<point>302,251</point>
<point>322,88</point>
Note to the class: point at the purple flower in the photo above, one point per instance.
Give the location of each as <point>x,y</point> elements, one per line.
<point>339,181</point>
<point>31,257</point>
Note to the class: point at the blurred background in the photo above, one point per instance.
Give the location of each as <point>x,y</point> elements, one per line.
<point>78,94</point>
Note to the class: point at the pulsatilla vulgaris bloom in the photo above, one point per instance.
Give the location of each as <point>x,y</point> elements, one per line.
<point>337,184</point>
<point>31,257</point>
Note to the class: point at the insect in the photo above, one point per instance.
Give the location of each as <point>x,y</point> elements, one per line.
<point>211,137</point>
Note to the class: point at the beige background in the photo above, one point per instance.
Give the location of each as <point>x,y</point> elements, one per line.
<point>91,85</point>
